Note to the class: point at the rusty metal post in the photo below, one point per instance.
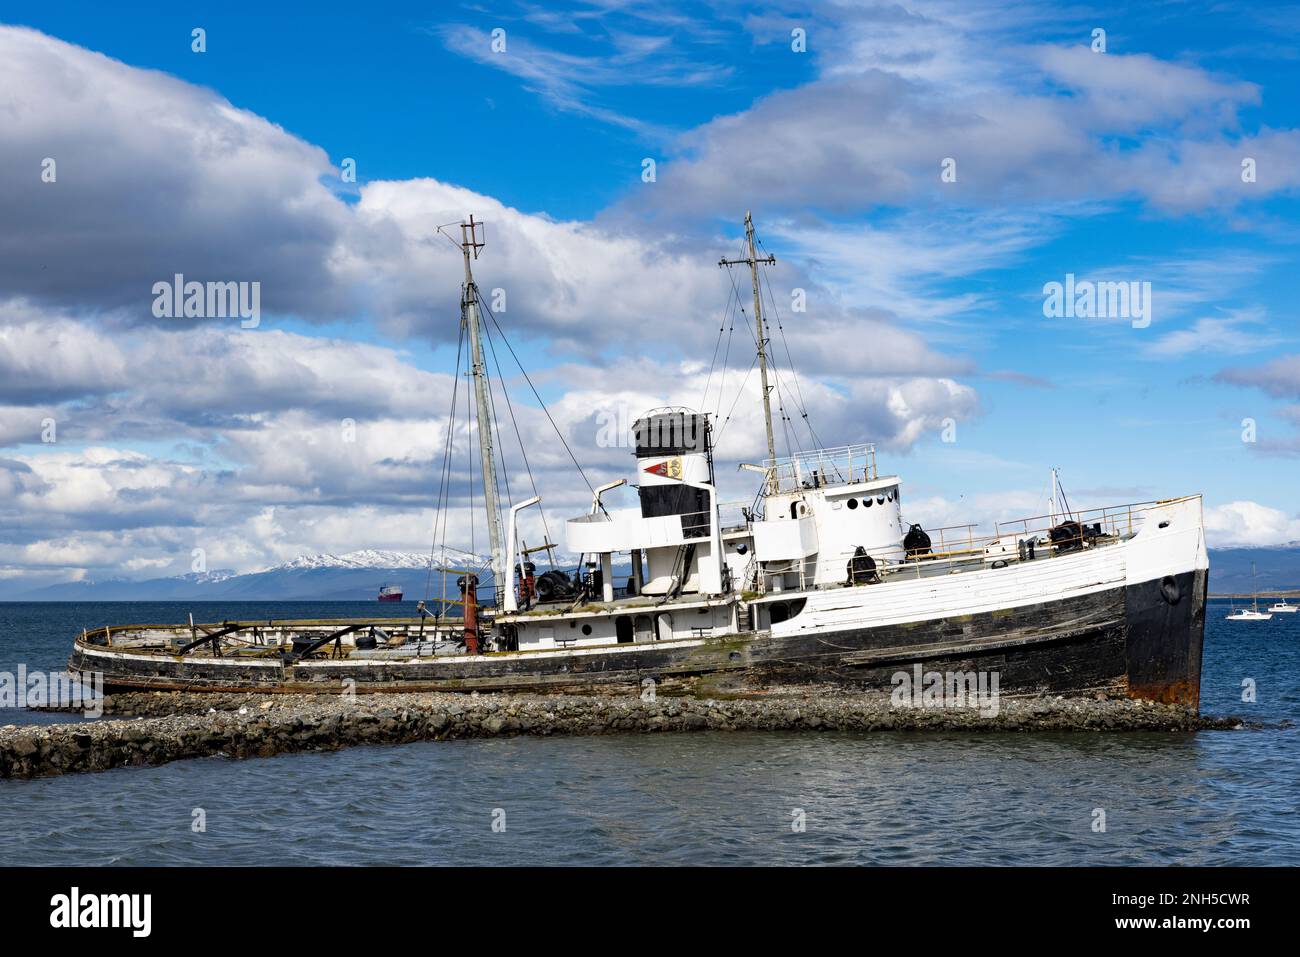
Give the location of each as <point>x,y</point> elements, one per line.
<point>469,595</point>
<point>528,579</point>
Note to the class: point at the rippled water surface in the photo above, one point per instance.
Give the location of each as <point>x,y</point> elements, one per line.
<point>727,798</point>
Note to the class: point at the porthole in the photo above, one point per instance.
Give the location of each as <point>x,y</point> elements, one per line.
<point>880,500</point>
<point>867,502</point>
<point>586,629</point>
<point>853,503</point>
<point>890,495</point>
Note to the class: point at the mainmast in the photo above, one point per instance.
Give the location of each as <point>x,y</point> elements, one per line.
<point>754,262</point>
<point>470,244</point>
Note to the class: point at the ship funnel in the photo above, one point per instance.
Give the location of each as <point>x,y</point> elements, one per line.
<point>674,446</point>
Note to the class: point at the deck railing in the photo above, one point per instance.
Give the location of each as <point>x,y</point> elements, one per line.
<point>956,547</point>
<point>842,465</point>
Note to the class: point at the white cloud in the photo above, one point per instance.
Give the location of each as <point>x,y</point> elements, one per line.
<point>1279,378</point>
<point>229,195</point>
<point>1131,91</point>
<point>571,81</point>
<point>1249,523</point>
<point>1238,333</point>
<point>50,358</point>
<point>904,86</point>
<point>154,176</point>
<point>903,266</point>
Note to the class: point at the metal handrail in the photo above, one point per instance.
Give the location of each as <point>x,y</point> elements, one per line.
<point>1097,527</point>
<point>840,465</point>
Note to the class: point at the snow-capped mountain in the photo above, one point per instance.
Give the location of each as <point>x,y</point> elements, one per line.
<point>214,576</point>
<point>351,576</point>
<point>364,558</point>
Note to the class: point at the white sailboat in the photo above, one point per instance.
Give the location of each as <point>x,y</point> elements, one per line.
<point>1248,614</point>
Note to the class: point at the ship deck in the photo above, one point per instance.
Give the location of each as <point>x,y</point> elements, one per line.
<point>390,638</point>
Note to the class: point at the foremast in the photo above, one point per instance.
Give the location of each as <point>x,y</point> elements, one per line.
<point>470,244</point>
<point>760,336</point>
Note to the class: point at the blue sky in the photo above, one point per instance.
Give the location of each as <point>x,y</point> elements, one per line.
<point>925,297</point>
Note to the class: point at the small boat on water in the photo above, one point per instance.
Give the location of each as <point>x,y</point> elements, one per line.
<point>1247,614</point>
<point>390,592</point>
<point>816,578</point>
<point>1282,608</point>
<point>1250,614</point>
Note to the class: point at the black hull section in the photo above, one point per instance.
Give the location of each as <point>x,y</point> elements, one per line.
<point>1166,632</point>
<point>1143,640</point>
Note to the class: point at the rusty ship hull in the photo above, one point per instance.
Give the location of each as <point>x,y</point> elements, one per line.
<point>1142,640</point>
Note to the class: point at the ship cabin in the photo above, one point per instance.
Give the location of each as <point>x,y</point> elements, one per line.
<point>699,568</point>
<point>680,586</point>
<point>828,519</point>
<point>698,565</point>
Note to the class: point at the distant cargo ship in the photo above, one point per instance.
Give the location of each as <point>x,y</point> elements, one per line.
<point>390,593</point>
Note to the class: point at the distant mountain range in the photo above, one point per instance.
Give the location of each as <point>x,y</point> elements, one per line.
<point>356,576</point>
<point>1278,569</point>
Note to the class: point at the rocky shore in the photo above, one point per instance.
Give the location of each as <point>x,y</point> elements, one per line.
<point>154,728</point>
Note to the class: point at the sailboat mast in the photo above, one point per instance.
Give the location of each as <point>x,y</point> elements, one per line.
<point>754,262</point>
<point>470,245</point>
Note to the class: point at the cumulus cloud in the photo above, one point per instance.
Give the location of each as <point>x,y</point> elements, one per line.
<point>172,178</point>
<point>200,380</point>
<point>578,283</point>
<point>168,176</point>
<point>46,358</point>
<point>1244,523</point>
<point>311,438</point>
